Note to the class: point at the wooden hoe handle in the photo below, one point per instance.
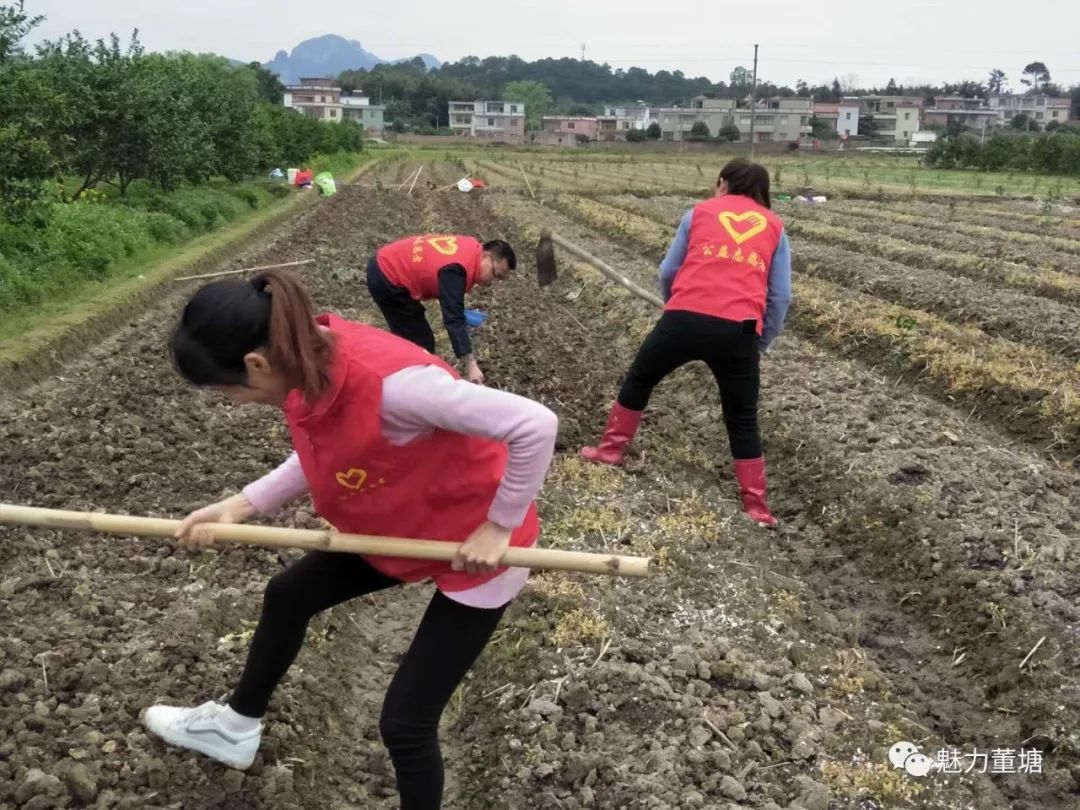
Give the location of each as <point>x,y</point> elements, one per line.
<point>535,558</point>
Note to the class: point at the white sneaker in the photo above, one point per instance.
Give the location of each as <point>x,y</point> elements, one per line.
<point>201,729</point>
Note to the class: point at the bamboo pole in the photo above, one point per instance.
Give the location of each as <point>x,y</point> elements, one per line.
<point>278,537</point>
<point>605,268</point>
<point>527,183</point>
<point>418,171</point>
<point>405,182</point>
<point>245,270</point>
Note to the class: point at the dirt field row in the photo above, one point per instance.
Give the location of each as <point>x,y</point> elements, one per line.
<point>921,556</point>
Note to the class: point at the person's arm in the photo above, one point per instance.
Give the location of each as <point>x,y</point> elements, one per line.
<point>778,297</point>
<point>279,486</point>
<point>452,302</point>
<point>423,398</point>
<point>676,254</point>
<point>283,484</point>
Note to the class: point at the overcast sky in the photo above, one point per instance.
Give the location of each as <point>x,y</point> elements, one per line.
<point>815,41</point>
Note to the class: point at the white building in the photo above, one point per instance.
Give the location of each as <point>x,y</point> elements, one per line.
<point>358,107</point>
<point>1041,109</point>
<point>493,120</point>
<point>847,118</point>
<point>317,98</point>
<point>617,121</point>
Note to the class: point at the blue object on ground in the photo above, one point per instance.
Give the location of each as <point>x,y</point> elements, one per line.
<point>474,317</point>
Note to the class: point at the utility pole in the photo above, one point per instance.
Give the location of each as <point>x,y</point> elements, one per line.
<point>753,104</point>
<point>582,51</point>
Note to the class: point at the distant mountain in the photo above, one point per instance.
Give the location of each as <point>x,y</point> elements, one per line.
<point>329,55</point>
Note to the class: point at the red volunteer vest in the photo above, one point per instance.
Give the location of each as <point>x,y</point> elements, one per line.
<point>725,272</point>
<point>414,262</point>
<point>438,487</point>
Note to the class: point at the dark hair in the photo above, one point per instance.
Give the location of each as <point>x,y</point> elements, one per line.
<point>225,320</point>
<point>748,179</point>
<point>500,249</point>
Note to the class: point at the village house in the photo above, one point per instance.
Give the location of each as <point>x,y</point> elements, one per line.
<point>491,120</point>
<point>1040,108</point>
<point>970,113</point>
<point>571,126</point>
<point>318,98</point>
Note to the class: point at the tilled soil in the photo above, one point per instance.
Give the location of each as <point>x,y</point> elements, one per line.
<point>921,557</point>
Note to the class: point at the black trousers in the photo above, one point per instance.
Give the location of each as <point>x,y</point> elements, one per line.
<point>728,348</point>
<point>448,641</point>
<point>404,315</point>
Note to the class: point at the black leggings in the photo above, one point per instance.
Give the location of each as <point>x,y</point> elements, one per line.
<point>448,641</point>
<point>404,315</point>
<point>728,348</point>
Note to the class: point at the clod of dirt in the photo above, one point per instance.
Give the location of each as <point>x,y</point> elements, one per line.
<point>802,683</point>
<point>813,795</point>
<point>11,680</point>
<point>732,788</point>
<point>81,783</point>
<point>37,783</point>
<point>232,781</point>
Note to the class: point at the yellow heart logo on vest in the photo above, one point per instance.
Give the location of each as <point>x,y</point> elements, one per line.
<point>446,245</point>
<point>353,479</point>
<point>757,223</point>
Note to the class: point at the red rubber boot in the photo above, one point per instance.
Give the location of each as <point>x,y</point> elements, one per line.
<point>621,427</point>
<point>750,473</point>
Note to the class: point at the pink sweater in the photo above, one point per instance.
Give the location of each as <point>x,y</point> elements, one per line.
<point>420,399</point>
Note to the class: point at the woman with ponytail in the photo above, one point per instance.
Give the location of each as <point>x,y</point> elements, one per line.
<point>388,440</point>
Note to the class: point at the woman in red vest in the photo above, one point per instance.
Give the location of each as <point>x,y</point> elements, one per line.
<point>727,283</point>
<point>436,267</point>
<point>388,440</point>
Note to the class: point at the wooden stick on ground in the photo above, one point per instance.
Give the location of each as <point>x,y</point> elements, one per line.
<point>245,270</point>
<point>605,268</point>
<point>412,176</point>
<point>418,171</point>
<point>527,183</point>
<point>536,558</point>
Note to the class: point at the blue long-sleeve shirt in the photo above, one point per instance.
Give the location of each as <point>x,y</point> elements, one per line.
<point>777,297</point>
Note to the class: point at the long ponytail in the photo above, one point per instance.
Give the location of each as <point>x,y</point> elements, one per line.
<point>297,346</point>
<point>225,320</point>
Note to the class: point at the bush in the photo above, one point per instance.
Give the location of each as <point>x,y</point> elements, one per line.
<point>636,135</point>
<point>81,241</point>
<point>92,236</point>
<point>729,133</point>
<point>1048,153</point>
<point>698,132</point>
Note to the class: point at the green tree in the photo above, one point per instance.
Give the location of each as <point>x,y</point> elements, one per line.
<point>741,79</point>
<point>729,133</point>
<point>699,132</point>
<point>536,97</point>
<point>1035,75</point>
<point>15,24</point>
<point>26,159</point>
<point>270,87</point>
<point>583,110</point>
<point>822,129</point>
<point>1021,121</point>
<point>654,131</point>
<point>636,135</point>
<point>868,126</point>
<point>995,85</point>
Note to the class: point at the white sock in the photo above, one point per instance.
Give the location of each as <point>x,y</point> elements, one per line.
<point>238,723</point>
